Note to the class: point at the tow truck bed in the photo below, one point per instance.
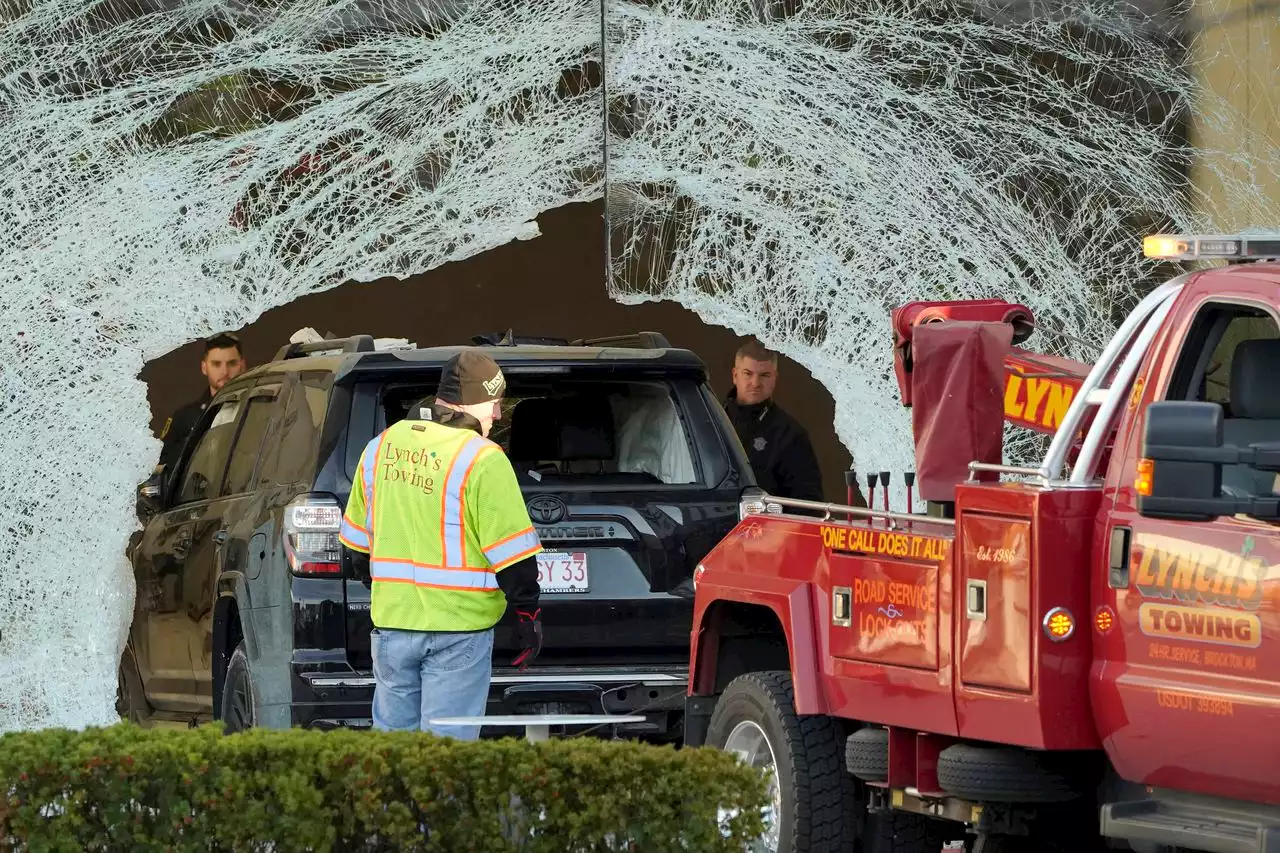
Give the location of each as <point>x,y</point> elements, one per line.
<point>908,643</point>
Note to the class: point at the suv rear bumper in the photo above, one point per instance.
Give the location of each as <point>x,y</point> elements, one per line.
<point>327,700</point>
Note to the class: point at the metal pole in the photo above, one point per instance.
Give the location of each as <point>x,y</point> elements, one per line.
<point>831,510</point>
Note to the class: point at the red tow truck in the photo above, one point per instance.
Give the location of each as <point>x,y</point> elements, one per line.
<point>1076,656</point>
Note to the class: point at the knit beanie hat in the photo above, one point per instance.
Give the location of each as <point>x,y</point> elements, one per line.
<point>471,377</point>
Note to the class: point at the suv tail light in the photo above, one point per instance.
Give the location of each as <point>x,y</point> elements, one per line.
<point>311,524</point>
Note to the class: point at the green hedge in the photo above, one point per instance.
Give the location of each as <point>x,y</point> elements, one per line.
<point>128,789</point>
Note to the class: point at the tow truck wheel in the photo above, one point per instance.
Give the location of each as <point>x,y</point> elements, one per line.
<point>985,843</point>
<point>903,832</point>
<point>866,753</point>
<point>239,694</point>
<point>1000,774</point>
<point>812,809</point>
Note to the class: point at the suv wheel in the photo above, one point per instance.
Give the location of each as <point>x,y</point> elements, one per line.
<point>131,699</point>
<point>239,694</point>
<point>813,798</point>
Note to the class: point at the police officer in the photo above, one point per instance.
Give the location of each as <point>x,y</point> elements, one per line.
<point>436,507</point>
<point>222,361</point>
<point>777,446</point>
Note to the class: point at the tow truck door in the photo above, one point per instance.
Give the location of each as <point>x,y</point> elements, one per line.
<point>1186,681</point>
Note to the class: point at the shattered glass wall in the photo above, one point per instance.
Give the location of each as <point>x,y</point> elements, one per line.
<point>796,169</point>
<point>788,168</point>
<point>177,167</point>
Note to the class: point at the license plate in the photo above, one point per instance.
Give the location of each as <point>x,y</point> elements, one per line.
<point>560,571</point>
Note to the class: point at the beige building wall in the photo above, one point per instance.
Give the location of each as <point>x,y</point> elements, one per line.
<point>1237,49</point>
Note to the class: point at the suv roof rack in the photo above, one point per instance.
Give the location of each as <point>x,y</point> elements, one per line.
<point>355,343</point>
<point>637,340</point>
<point>510,339</point>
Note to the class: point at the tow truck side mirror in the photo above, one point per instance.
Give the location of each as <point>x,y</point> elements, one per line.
<point>1175,479</point>
<point>1180,473</point>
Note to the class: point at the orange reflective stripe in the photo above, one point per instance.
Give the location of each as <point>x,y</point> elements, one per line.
<point>437,577</point>
<point>507,539</point>
<point>452,543</point>
<point>414,583</point>
<point>372,463</point>
<point>462,498</point>
<point>515,547</point>
<point>353,536</point>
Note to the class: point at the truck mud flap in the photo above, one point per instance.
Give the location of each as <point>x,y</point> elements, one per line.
<point>697,719</point>
<point>1197,825</point>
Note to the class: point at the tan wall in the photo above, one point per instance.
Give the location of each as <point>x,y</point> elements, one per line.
<point>1238,48</point>
<point>553,285</point>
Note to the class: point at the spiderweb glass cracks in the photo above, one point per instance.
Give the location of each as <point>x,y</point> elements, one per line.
<point>789,169</point>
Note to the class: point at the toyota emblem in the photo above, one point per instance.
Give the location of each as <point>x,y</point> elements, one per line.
<point>546,509</point>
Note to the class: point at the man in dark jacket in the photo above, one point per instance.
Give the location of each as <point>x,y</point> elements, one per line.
<point>222,362</point>
<point>777,446</point>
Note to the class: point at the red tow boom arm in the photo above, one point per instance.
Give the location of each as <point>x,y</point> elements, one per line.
<point>1038,389</point>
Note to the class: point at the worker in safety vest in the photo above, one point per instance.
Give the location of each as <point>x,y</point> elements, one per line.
<point>436,507</point>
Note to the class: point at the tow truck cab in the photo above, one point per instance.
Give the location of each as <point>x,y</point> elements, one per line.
<point>1085,649</point>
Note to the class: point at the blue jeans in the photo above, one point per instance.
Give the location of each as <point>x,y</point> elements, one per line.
<point>421,675</point>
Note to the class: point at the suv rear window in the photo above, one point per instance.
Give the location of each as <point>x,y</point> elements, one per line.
<point>587,432</point>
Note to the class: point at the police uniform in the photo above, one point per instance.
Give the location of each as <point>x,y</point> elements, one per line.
<point>778,448</point>
<point>179,426</point>
<point>438,512</point>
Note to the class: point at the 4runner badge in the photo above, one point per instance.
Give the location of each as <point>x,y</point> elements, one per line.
<point>546,509</point>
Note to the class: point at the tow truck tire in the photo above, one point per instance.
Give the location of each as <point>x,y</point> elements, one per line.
<point>993,774</point>
<point>1001,844</point>
<point>903,832</point>
<point>818,809</point>
<point>866,754</point>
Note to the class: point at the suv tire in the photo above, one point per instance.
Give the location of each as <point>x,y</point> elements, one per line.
<point>239,694</point>
<point>813,796</point>
<point>131,698</point>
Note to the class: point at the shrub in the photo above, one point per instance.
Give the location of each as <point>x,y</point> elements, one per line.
<point>128,789</point>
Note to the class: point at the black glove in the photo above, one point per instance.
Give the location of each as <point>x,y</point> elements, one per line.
<point>529,631</point>
<point>356,565</point>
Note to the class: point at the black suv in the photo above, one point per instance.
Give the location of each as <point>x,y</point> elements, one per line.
<point>247,612</point>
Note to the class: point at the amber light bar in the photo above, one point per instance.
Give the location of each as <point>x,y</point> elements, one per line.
<point>1179,247</point>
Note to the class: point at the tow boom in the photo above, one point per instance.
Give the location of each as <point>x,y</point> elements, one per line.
<point>1038,389</point>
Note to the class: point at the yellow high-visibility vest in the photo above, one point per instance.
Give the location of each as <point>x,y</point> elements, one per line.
<point>438,511</point>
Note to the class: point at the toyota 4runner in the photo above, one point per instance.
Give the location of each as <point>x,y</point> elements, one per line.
<point>247,612</point>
